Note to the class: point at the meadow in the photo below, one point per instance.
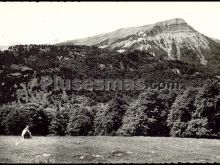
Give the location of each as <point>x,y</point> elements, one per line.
<point>108,149</point>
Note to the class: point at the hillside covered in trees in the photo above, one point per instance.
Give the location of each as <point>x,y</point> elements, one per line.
<point>193,112</point>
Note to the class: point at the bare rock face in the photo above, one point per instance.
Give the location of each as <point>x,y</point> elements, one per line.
<point>172,39</point>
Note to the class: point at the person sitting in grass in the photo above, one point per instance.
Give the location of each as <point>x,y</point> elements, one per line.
<point>26,134</point>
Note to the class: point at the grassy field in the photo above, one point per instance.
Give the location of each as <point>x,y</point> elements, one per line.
<point>108,150</point>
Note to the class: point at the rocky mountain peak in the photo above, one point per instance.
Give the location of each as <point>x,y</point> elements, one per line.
<point>175,21</point>
<point>174,39</point>
<point>172,25</point>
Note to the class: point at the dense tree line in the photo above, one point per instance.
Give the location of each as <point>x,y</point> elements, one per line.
<point>193,113</point>
<point>196,112</point>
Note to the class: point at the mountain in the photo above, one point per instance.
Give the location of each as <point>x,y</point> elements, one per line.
<point>3,47</point>
<point>216,40</point>
<point>172,39</point>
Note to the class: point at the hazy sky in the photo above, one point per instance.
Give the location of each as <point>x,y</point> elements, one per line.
<point>51,22</point>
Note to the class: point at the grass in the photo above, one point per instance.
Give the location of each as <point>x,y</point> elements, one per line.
<point>106,149</point>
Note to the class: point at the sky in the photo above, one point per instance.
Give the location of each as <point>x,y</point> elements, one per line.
<point>53,22</point>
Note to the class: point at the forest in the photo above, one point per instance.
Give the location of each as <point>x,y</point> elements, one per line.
<point>192,112</point>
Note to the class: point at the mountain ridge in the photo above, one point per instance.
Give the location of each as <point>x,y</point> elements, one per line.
<point>129,30</point>
<point>172,39</point>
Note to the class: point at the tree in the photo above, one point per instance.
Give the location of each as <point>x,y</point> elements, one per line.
<point>110,119</point>
<point>29,114</point>
<point>207,103</point>
<point>80,122</point>
<point>4,111</point>
<point>59,122</point>
<point>146,116</point>
<point>181,111</point>
<point>196,113</point>
<point>197,128</point>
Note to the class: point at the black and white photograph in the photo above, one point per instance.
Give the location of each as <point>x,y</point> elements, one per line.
<point>109,82</point>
